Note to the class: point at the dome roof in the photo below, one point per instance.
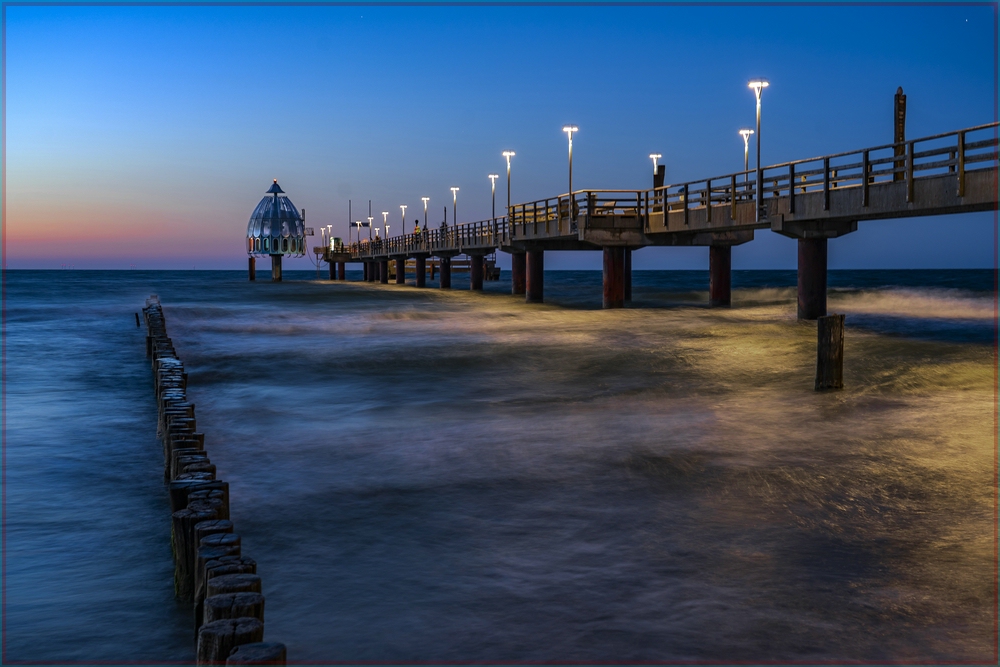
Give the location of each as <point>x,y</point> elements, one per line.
<point>276,227</point>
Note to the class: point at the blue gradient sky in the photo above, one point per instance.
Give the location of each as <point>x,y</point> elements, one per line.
<point>146,135</point>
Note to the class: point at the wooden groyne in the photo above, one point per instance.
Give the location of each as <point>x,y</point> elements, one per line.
<point>210,570</point>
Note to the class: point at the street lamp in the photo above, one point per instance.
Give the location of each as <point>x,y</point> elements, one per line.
<point>454,201</point>
<point>370,226</point>
<point>493,184</point>
<point>508,155</point>
<point>758,85</point>
<point>402,210</point>
<point>424,200</point>
<point>745,133</point>
<point>655,157</point>
<point>569,130</point>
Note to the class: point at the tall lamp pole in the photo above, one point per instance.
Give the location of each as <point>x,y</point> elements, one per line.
<point>493,184</point>
<point>454,202</point>
<point>745,133</point>
<point>370,226</point>
<point>424,200</point>
<point>758,85</point>
<point>402,210</point>
<point>508,155</point>
<point>569,130</point>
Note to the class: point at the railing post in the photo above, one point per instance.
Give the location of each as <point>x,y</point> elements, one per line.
<point>961,164</point>
<point>732,197</point>
<point>684,198</point>
<point>708,199</point>
<point>791,188</point>
<point>865,168</point>
<point>909,171</point>
<point>826,184</point>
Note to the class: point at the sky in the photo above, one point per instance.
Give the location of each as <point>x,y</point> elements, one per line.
<point>145,135</point>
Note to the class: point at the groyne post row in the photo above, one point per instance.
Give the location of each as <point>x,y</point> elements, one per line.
<point>210,570</point>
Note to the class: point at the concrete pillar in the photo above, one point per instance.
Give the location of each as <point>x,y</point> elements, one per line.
<point>275,268</point>
<point>614,277</point>
<point>517,270</point>
<point>720,275</point>
<point>342,270</point>
<point>364,268</point>
<point>252,264</point>
<point>812,278</point>
<point>421,270</point>
<point>333,270</point>
<point>628,275</point>
<point>476,272</point>
<point>383,271</point>
<point>534,275</point>
<point>401,271</point>
<point>446,273</point>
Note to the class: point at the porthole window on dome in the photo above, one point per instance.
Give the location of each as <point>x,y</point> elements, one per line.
<point>276,227</point>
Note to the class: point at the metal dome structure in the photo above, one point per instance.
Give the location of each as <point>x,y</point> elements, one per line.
<point>276,228</point>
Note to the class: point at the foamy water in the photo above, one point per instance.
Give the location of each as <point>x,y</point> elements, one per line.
<point>427,476</point>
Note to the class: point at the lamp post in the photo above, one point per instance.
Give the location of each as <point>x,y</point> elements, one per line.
<point>569,130</point>
<point>370,227</point>
<point>493,185</point>
<point>385,220</point>
<point>454,203</point>
<point>508,155</point>
<point>329,235</point>
<point>745,133</point>
<point>402,211</point>
<point>424,200</point>
<point>758,85</point>
<point>655,157</point>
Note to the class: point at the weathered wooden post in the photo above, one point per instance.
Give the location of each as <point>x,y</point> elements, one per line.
<point>830,352</point>
<point>518,272</point>
<point>614,277</point>
<point>899,133</point>
<point>262,653</point>
<point>216,640</point>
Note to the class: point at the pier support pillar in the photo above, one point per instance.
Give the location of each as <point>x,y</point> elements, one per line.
<point>383,272</point>
<point>534,274</point>
<point>476,272</point>
<point>401,271</point>
<point>628,275</point>
<point>275,268</point>
<point>342,270</point>
<point>252,264</point>
<point>421,270</point>
<point>446,273</point>
<point>517,270</point>
<point>812,278</point>
<point>333,270</point>
<point>720,283</point>
<point>364,269</point>
<point>614,277</point>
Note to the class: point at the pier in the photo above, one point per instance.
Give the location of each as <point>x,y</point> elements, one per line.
<point>811,200</point>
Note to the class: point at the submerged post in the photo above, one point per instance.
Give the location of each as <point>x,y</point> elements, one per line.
<point>446,273</point>
<point>276,268</point>
<point>830,352</point>
<point>252,263</point>
<point>534,274</point>
<point>812,278</point>
<point>720,275</point>
<point>518,266</point>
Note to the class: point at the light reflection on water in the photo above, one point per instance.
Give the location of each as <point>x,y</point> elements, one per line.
<point>460,477</point>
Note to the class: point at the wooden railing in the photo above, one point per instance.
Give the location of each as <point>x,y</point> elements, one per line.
<point>957,152</point>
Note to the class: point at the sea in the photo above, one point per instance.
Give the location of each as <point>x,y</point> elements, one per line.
<point>447,476</point>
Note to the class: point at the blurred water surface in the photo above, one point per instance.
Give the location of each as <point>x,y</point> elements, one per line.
<point>447,476</point>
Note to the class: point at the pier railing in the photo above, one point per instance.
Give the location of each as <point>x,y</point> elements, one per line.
<point>957,153</point>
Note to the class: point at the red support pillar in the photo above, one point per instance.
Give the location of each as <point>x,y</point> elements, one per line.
<point>446,273</point>
<point>812,278</point>
<point>720,275</point>
<point>534,274</point>
<point>253,267</point>
<point>341,270</point>
<point>421,270</point>
<point>401,271</point>
<point>614,277</point>
<point>476,272</point>
<point>383,271</point>
<point>518,267</point>
<point>628,275</point>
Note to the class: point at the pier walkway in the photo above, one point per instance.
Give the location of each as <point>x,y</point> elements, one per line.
<point>812,200</point>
